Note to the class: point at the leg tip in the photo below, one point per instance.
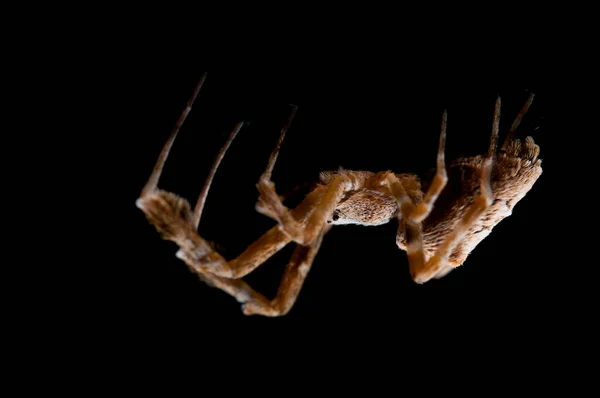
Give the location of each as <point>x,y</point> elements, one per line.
<point>139,203</point>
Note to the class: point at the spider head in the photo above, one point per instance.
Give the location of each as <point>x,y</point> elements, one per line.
<point>364,207</point>
<point>335,218</point>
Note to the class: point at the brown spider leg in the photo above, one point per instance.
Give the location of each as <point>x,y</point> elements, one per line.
<point>304,187</point>
<point>292,281</point>
<point>236,288</point>
<point>410,215</point>
<point>413,231</point>
<point>257,253</point>
<point>424,208</point>
<point>275,239</point>
<point>305,233</point>
<point>171,215</point>
<point>437,264</point>
<point>270,204</point>
<point>152,183</point>
<point>267,245</point>
<point>204,193</point>
<point>516,123</point>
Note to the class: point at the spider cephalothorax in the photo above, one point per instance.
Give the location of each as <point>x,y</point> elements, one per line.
<point>369,201</point>
<point>364,207</point>
<point>438,225</point>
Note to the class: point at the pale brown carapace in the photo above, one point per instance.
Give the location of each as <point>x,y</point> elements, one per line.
<point>439,223</point>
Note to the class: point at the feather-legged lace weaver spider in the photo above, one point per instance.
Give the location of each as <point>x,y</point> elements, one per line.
<point>438,227</point>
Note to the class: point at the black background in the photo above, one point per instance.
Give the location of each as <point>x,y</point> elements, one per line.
<point>370,91</point>
<point>370,96</point>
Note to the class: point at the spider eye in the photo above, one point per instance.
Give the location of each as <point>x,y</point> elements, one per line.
<point>335,216</point>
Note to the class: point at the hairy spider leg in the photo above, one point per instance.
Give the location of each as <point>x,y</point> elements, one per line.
<point>171,215</point>
<point>411,216</point>
<point>152,183</point>
<point>269,203</point>
<point>291,283</point>
<point>437,264</point>
<point>516,123</point>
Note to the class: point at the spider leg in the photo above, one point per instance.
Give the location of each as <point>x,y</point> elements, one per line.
<point>423,209</point>
<point>172,217</point>
<point>516,123</point>
<point>270,204</point>
<point>152,183</point>
<point>170,214</point>
<point>236,288</point>
<point>291,283</point>
<point>437,265</point>
<point>411,216</point>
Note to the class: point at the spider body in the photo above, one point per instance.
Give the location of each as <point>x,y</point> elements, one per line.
<point>370,203</point>
<point>439,222</point>
<point>513,175</point>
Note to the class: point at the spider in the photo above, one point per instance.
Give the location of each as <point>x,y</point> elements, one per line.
<point>439,223</point>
